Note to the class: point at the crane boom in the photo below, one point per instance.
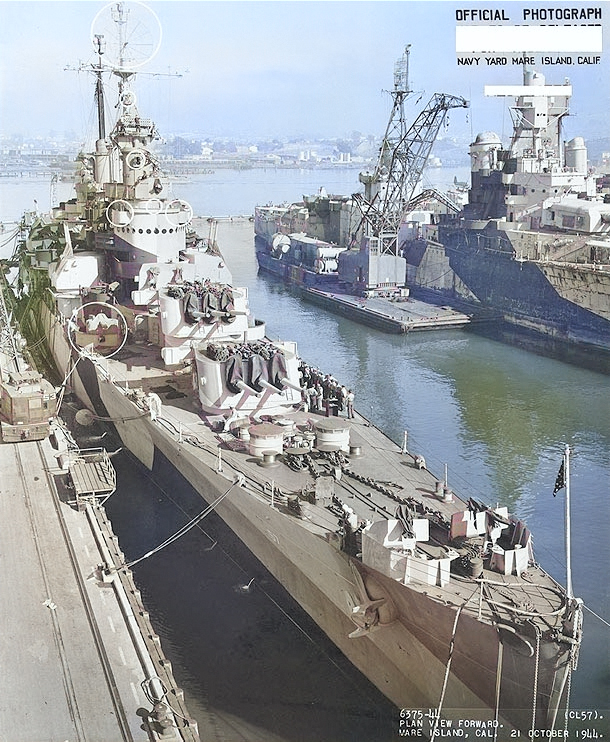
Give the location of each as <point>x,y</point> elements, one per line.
<point>402,159</point>
<point>9,352</point>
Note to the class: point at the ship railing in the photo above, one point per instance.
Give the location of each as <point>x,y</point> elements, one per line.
<point>496,597</point>
<point>220,458</point>
<point>493,596</point>
<point>162,415</point>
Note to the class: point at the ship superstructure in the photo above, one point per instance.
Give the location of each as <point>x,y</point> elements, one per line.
<point>439,601</point>
<point>533,242</point>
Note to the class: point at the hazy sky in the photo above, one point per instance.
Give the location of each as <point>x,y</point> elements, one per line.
<point>275,68</point>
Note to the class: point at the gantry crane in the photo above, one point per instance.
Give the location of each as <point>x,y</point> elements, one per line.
<point>402,158</point>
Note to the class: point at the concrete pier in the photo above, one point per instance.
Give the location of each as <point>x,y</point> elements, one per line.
<point>79,658</point>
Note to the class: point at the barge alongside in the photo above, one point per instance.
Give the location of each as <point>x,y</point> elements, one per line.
<point>439,601</point>
<point>530,248</point>
<point>343,251</point>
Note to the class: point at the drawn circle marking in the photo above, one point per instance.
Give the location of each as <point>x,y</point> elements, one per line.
<point>136,159</point>
<point>154,206</point>
<point>128,98</point>
<point>131,34</point>
<point>78,323</point>
<point>122,207</point>
<point>175,218</point>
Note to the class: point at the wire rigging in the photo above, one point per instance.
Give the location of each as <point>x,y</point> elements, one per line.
<point>181,531</point>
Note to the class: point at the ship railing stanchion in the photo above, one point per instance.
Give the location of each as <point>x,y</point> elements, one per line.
<point>447,494</point>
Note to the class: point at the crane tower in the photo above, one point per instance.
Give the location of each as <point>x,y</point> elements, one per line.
<point>402,157</point>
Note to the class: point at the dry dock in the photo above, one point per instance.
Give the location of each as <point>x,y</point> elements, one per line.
<point>79,658</point>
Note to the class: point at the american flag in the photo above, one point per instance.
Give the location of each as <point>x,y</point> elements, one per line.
<point>560,482</point>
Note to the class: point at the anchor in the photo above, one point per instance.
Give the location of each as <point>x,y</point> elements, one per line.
<point>364,609</point>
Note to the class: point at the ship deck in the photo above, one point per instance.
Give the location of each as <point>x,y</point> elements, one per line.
<point>382,477</point>
<point>400,316</point>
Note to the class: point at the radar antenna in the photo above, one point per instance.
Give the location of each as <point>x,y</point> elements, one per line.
<point>125,36</point>
<point>131,33</point>
<point>100,46</point>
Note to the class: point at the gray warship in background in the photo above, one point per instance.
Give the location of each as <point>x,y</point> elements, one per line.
<point>438,600</point>
<point>530,247</point>
<point>533,241</point>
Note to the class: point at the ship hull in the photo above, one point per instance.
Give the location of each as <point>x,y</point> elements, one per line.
<point>312,570</point>
<point>567,303</point>
<point>406,659</point>
<point>426,655</point>
<point>291,273</point>
<point>396,658</point>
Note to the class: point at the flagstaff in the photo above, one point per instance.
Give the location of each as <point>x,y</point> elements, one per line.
<point>563,481</point>
<point>566,461</point>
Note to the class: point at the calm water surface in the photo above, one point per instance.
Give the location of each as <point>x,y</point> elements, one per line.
<point>498,417</point>
<point>252,665</point>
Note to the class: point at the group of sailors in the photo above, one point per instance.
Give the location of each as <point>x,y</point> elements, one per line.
<point>323,393</point>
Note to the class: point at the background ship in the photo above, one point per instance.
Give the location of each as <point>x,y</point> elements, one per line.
<point>531,247</point>
<point>533,241</point>
<point>350,244</point>
<point>438,601</point>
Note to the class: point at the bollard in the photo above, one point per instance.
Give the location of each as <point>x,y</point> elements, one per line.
<point>162,719</point>
<point>268,459</point>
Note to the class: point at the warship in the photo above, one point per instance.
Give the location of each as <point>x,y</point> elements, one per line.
<point>532,243</point>
<point>530,248</point>
<point>350,243</point>
<point>437,599</point>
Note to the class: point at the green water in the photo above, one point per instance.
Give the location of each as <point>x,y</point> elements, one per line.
<point>498,416</point>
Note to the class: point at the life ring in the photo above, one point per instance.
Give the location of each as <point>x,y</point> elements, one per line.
<point>319,265</point>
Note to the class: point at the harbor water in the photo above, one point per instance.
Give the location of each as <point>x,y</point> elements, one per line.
<point>253,666</point>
